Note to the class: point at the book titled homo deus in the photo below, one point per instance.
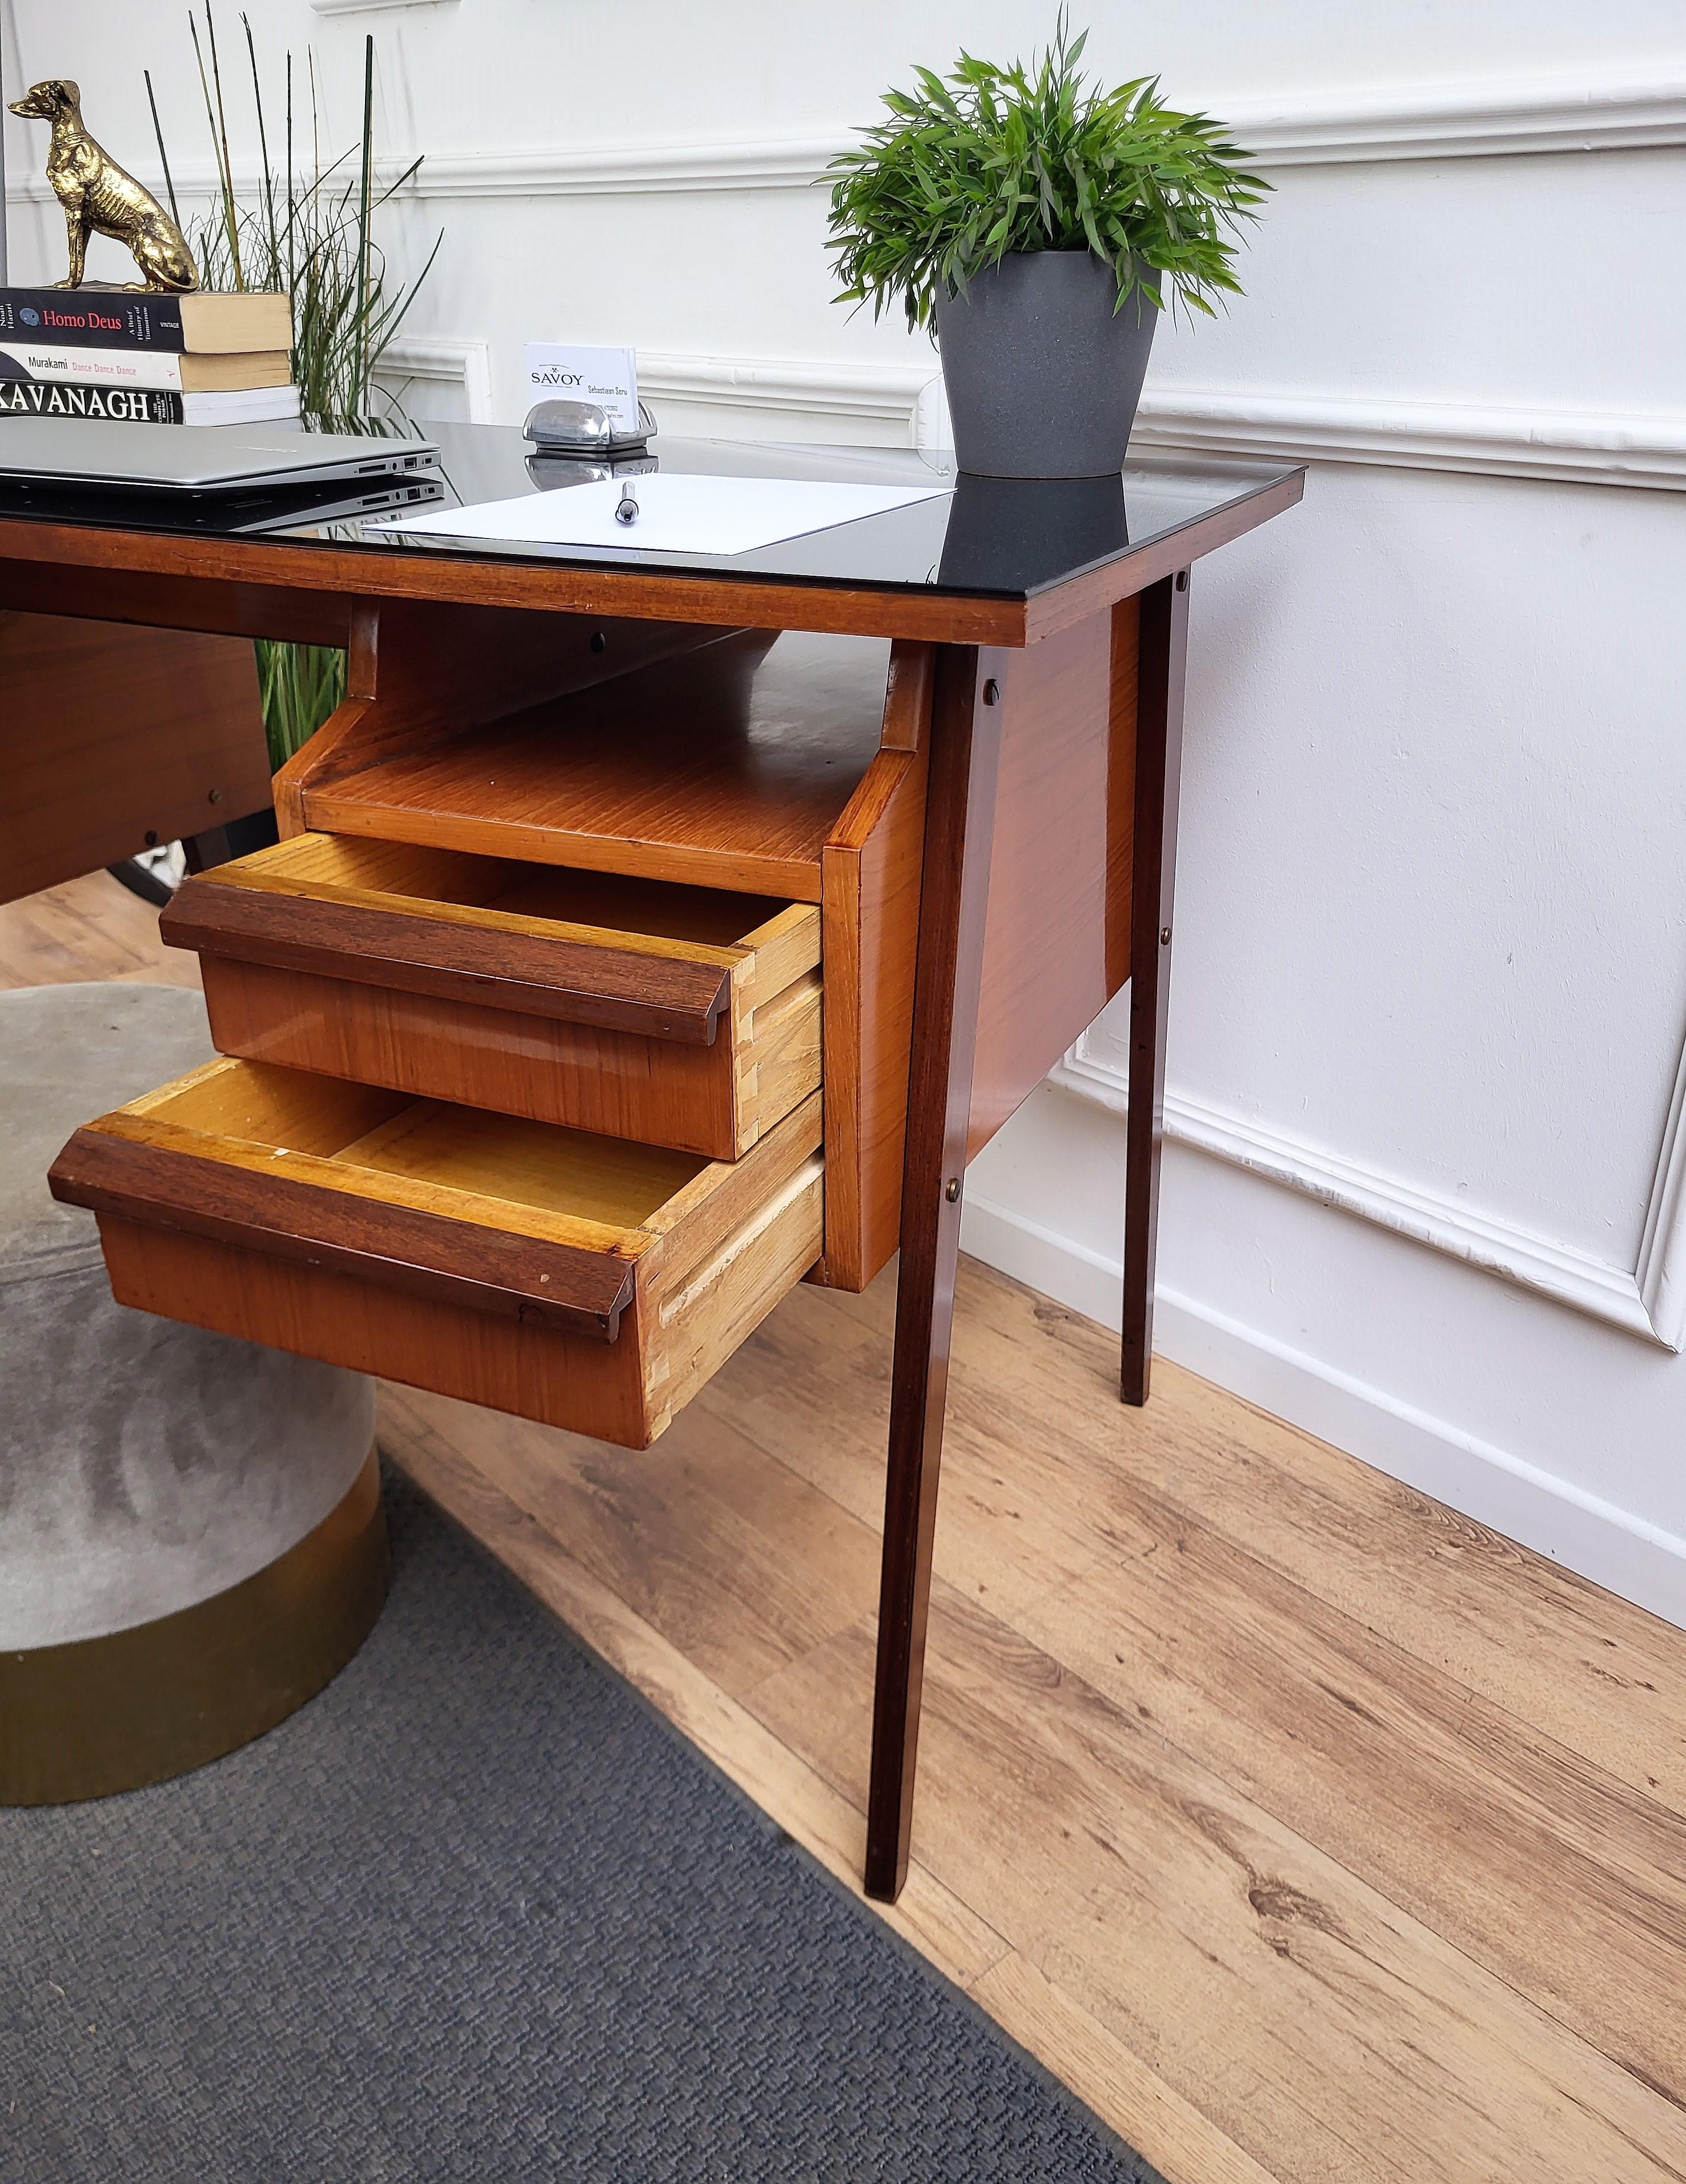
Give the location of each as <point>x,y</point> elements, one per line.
<point>91,318</point>
<point>205,321</point>
<point>51,397</point>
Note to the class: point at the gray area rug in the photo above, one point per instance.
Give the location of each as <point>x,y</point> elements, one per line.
<point>478,1913</point>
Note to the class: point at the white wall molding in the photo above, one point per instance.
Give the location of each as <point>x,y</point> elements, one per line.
<point>1435,121</point>
<point>1661,1273</point>
<point>876,394</point>
<point>677,169</point>
<point>449,359</point>
<point>1648,1300</point>
<point>1585,448</point>
<point>1460,121</point>
<point>364,7</point>
<point>1609,1545</point>
<point>1589,447</point>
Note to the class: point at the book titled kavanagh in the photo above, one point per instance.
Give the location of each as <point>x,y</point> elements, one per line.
<point>115,318</point>
<point>129,405</point>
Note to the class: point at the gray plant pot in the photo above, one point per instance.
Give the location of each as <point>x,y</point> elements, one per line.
<point>1043,376</point>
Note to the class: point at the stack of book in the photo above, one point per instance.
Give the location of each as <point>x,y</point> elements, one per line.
<point>194,359</point>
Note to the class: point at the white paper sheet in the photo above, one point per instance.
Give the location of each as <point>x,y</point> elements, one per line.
<point>677,514</point>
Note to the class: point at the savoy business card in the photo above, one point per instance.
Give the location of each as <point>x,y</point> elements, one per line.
<point>560,372</point>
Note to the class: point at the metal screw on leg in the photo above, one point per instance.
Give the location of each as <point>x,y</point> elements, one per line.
<point>951,1189</point>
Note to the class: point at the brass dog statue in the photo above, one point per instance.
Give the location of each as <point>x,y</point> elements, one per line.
<point>100,199</point>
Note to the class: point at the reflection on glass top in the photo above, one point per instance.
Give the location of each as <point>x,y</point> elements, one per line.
<point>1003,537</point>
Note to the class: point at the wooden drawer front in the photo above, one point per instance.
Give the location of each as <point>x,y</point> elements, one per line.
<point>676,1016</point>
<point>589,1283</point>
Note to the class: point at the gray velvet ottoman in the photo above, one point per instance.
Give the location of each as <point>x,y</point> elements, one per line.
<point>191,1536</point>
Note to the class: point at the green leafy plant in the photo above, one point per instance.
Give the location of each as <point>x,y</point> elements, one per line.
<point>993,160</point>
<point>298,686</point>
<point>306,229</point>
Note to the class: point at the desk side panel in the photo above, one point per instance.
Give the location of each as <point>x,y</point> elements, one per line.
<point>111,733</point>
<point>871,874</point>
<point>1056,943</point>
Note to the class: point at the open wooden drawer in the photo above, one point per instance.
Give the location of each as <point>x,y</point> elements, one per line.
<point>587,1282</point>
<point>676,1015</point>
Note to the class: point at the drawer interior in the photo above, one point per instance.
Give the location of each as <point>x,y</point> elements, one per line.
<point>591,1282</point>
<point>610,1181</point>
<point>655,959</point>
<point>415,877</point>
<point>525,1168</point>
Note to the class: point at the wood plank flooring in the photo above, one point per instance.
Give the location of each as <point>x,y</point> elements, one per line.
<point>92,927</point>
<point>1312,1833</point>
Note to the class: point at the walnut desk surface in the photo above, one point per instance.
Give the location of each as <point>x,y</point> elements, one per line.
<point>578,853</point>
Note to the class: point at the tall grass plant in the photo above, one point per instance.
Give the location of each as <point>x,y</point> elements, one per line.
<point>306,229</point>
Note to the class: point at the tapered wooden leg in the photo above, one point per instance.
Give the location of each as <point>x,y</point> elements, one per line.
<point>1159,768</point>
<point>966,747</point>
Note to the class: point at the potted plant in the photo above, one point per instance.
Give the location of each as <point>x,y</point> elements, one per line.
<point>1037,221</point>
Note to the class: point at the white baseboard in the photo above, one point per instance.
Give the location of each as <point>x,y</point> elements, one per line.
<point>1608,1544</point>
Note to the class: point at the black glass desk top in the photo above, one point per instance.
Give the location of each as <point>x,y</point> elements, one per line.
<point>989,537</point>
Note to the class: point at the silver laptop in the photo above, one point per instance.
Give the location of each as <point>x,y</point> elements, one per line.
<point>194,458</point>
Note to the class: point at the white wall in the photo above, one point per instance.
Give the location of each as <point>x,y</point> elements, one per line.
<point>1426,1187</point>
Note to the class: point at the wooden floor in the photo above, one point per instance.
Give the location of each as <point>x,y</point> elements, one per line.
<point>1309,1831</point>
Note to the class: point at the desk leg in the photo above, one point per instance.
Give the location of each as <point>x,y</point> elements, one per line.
<point>1159,768</point>
<point>209,847</point>
<point>960,817</point>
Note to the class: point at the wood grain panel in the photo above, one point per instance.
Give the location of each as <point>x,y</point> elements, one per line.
<point>113,736</point>
<point>871,867</point>
<point>728,768</point>
<point>535,1067</point>
<point>547,1374</point>
<point>424,1254</point>
<point>677,997</point>
<point>219,606</point>
<point>1056,937</point>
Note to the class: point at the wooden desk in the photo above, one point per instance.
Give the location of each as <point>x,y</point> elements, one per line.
<point>645,937</point>
<point>118,739</point>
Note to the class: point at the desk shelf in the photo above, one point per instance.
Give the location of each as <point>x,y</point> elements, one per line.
<point>728,767</point>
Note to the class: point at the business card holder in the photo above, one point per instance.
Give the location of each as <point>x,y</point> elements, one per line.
<point>583,428</point>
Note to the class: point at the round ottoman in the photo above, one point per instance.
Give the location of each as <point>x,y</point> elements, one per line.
<point>191,1536</point>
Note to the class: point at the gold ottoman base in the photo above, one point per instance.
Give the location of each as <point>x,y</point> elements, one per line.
<point>104,1715</point>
